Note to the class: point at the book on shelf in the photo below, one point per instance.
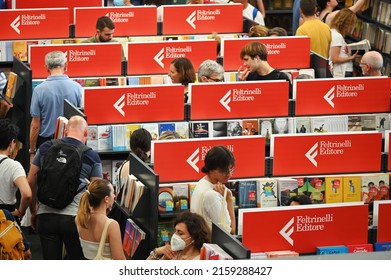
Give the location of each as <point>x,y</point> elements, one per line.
<point>247,193</point>
<point>92,138</point>
<point>181,197</point>
<point>163,127</point>
<point>234,128</point>
<point>119,137</point>
<point>375,187</point>
<point>351,188</point>
<point>286,188</point>
<point>153,128</point>
<point>220,129</point>
<point>130,128</point>
<point>61,124</point>
<point>283,253</point>
<point>302,125</point>
<point>301,186</point>
<point>250,127</point>
<point>138,192</point>
<point>106,169</point>
<point>360,248</point>
<point>316,189</point>
<point>331,250</point>
<point>182,128</point>
<point>361,45</point>
<point>333,190</point>
<point>266,192</point>
<point>132,237</point>
<point>201,129</point>
<point>105,139</point>
<point>11,87</point>
<point>165,230</point>
<point>266,127</point>
<point>166,198</point>
<point>115,172</point>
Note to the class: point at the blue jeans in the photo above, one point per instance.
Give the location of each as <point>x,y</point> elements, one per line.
<point>55,230</point>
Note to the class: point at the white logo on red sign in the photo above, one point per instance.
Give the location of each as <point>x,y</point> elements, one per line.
<point>193,160</point>
<point>327,148</point>
<point>119,104</point>
<point>26,19</point>
<point>239,95</point>
<point>312,153</point>
<point>287,231</point>
<point>191,19</point>
<point>329,96</point>
<point>343,91</point>
<point>15,24</point>
<point>159,58</point>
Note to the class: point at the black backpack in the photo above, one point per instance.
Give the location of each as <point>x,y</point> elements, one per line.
<point>59,176</point>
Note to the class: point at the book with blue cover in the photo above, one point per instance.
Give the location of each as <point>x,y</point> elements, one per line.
<point>329,250</point>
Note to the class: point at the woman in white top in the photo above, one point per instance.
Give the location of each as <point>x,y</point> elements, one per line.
<point>341,59</point>
<point>191,232</point>
<point>91,219</point>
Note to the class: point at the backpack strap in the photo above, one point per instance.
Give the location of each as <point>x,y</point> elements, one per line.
<point>3,218</point>
<point>3,159</point>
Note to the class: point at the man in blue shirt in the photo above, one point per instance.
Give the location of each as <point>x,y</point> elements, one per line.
<point>47,102</point>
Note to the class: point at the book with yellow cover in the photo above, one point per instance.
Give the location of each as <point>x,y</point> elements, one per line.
<point>11,86</point>
<point>351,188</point>
<point>334,190</point>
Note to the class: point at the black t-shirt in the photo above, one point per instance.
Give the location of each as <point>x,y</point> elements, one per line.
<point>274,75</point>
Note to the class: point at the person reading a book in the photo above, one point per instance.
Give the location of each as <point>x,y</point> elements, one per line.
<point>211,198</point>
<point>340,57</point>
<point>255,66</point>
<point>191,232</point>
<point>210,72</point>
<point>91,219</point>
<point>140,145</point>
<point>372,64</point>
<point>182,72</point>
<point>47,102</point>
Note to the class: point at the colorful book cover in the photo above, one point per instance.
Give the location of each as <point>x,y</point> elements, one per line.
<point>382,246</point>
<point>247,193</point>
<point>130,128</point>
<point>166,198</point>
<point>333,190</point>
<point>369,187</point>
<point>19,49</point>
<point>250,127</point>
<point>316,189</point>
<point>360,248</point>
<point>234,128</point>
<point>219,128</point>
<point>92,138</point>
<point>303,125</point>
<point>165,230</point>
<point>182,128</point>
<point>128,239</point>
<point>153,128</point>
<point>106,169</point>
<point>181,196</point>
<point>330,250</point>
<point>351,188</point>
<point>200,129</point>
<point>119,137</point>
<point>105,137</point>
<point>163,127</point>
<point>138,237</point>
<point>286,188</point>
<point>266,192</point>
<point>301,185</point>
<point>384,187</point>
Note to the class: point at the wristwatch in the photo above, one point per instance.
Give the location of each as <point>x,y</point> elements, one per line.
<point>32,151</point>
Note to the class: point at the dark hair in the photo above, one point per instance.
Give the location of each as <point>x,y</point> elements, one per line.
<point>196,226</point>
<point>8,132</point>
<point>92,198</point>
<point>279,31</point>
<point>321,5</point>
<point>103,22</point>
<point>254,49</point>
<point>308,7</point>
<point>140,143</point>
<point>186,69</point>
<point>302,199</point>
<point>219,157</point>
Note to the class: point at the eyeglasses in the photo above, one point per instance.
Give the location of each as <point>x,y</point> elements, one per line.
<point>228,172</point>
<point>363,63</point>
<point>215,80</point>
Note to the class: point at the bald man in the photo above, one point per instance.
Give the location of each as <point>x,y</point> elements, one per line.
<point>372,64</point>
<point>57,226</point>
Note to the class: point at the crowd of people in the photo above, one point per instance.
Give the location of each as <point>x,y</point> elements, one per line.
<point>78,227</point>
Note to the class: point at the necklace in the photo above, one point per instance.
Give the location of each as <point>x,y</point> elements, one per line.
<point>97,212</point>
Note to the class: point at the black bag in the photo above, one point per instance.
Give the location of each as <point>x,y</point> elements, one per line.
<point>59,176</point>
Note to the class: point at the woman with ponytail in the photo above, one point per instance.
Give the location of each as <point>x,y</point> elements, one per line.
<point>91,219</point>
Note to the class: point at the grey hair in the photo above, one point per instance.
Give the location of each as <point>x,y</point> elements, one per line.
<point>375,60</point>
<point>55,59</point>
<point>208,67</point>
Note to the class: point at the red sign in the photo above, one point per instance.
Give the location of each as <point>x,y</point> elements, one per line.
<point>283,52</point>
<point>239,100</point>
<point>28,4</point>
<point>83,59</point>
<point>155,57</point>
<point>303,228</point>
<point>342,96</point>
<point>382,214</point>
<point>34,24</point>
<point>202,19</point>
<point>126,19</point>
<point>328,153</point>
<point>106,105</point>
<point>182,160</point>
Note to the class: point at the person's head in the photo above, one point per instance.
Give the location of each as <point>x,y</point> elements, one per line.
<point>219,164</point>
<point>99,195</point>
<point>192,229</point>
<point>253,54</point>
<point>308,7</point>
<point>277,31</point>
<point>371,64</point>
<point>168,135</point>
<point>140,143</point>
<point>182,71</point>
<point>8,135</point>
<point>258,31</point>
<point>77,128</point>
<point>210,71</point>
<point>55,60</point>
<point>323,4</point>
<point>300,199</point>
<point>303,76</point>
<point>104,29</point>
<point>344,21</point>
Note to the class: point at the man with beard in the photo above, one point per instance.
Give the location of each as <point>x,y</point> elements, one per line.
<point>104,31</point>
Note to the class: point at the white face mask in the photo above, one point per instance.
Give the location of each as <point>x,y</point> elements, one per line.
<point>177,243</point>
